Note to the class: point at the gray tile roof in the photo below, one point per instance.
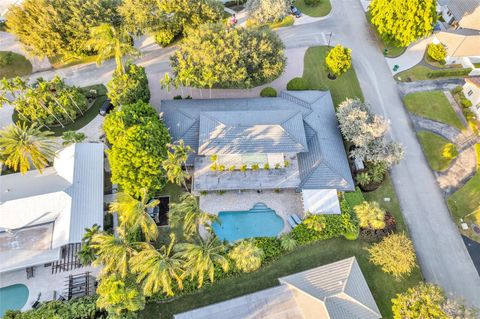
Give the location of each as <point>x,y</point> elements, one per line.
<point>341,286</point>
<point>460,8</point>
<point>322,159</point>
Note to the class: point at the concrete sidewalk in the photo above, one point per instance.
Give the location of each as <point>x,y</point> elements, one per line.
<point>411,57</point>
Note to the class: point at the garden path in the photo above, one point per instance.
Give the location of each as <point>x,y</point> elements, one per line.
<point>444,130</point>
<point>431,85</point>
<point>456,108</point>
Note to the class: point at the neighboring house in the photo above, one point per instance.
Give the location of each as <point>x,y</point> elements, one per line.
<point>461,49</point>
<point>471,89</point>
<point>462,13</point>
<point>42,214</point>
<point>5,5</point>
<point>294,136</point>
<point>334,291</point>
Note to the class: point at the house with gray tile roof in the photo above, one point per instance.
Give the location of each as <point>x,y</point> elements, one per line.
<point>462,13</point>
<point>286,142</point>
<point>334,291</point>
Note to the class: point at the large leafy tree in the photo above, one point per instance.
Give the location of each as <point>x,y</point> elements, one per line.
<point>59,27</point>
<point>202,256</point>
<point>338,60</point>
<point>108,40</point>
<point>133,213</point>
<point>395,254</point>
<point>267,11</point>
<point>157,270</point>
<point>188,215</point>
<point>21,145</point>
<point>213,56</point>
<point>403,21</point>
<point>139,145</point>
<point>422,301</point>
<point>119,296</point>
<point>129,87</point>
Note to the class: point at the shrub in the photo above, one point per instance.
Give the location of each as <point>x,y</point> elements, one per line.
<point>352,235</point>
<point>268,92</point>
<point>457,89</point>
<point>287,242</point>
<point>129,87</point>
<point>270,246</point>
<point>164,37</point>
<point>312,3</point>
<point>297,84</point>
<point>375,235</point>
<point>286,164</point>
<point>370,215</point>
<point>449,151</point>
<point>266,166</point>
<point>394,254</point>
<point>255,167</point>
<point>338,60</point>
<point>465,102</point>
<point>247,256</point>
<point>422,301</point>
<point>177,97</point>
<point>437,52</point>
<point>314,222</point>
<point>363,178</point>
<point>231,168</point>
<point>454,72</point>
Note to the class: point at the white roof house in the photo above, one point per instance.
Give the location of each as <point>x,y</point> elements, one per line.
<point>334,291</point>
<point>40,213</point>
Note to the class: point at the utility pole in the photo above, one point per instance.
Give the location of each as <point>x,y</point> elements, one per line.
<point>330,38</point>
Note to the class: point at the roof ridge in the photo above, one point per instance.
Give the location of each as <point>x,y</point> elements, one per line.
<point>347,296</point>
<point>211,139</point>
<point>352,261</point>
<point>288,133</point>
<point>187,116</point>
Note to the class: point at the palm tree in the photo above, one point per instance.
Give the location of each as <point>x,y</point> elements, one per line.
<point>109,41</point>
<point>187,213</point>
<point>113,253</point>
<point>247,256</point>
<point>157,269</point>
<point>70,137</point>
<point>202,256</point>
<point>87,254</point>
<point>21,144</point>
<point>133,214</point>
<point>176,159</point>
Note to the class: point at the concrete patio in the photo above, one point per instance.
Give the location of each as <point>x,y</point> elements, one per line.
<point>284,203</point>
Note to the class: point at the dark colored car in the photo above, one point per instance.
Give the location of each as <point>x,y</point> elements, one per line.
<point>295,12</point>
<point>106,107</point>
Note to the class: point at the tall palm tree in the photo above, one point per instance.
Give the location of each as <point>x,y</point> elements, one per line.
<point>87,254</point>
<point>187,214</point>
<point>133,214</point>
<point>114,253</point>
<point>157,269</point>
<point>22,144</point>
<point>202,256</point>
<point>109,41</point>
<point>175,161</point>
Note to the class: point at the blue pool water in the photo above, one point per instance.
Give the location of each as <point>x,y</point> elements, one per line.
<point>260,221</point>
<point>13,297</point>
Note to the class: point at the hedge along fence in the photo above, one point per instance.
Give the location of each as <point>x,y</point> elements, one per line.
<point>448,72</point>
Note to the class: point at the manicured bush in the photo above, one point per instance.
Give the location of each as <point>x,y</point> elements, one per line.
<point>394,254</point>
<point>370,215</point>
<point>437,52</point>
<point>311,3</point>
<point>297,84</point>
<point>268,92</point>
<point>6,59</point>
<point>457,89</point>
<point>465,102</point>
<point>338,60</point>
<point>164,37</point>
<point>454,72</point>
<point>449,151</point>
<point>129,87</point>
<point>270,246</point>
<point>375,235</point>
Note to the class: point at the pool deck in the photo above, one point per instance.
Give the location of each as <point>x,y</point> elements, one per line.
<point>285,203</point>
<point>43,282</point>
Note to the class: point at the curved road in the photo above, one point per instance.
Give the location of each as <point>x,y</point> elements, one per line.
<point>441,252</point>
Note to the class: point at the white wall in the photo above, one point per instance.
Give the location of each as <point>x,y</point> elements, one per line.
<point>474,97</point>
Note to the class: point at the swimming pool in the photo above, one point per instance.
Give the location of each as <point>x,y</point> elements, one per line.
<point>260,221</point>
<point>13,297</point>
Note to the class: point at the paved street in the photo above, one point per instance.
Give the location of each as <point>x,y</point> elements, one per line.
<point>440,249</point>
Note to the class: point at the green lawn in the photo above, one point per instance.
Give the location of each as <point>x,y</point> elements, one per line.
<point>433,105</point>
<point>383,286</point>
<point>421,73</point>
<point>465,203</point>
<point>172,190</point>
<point>315,73</point>
<point>19,67</point>
<point>287,21</point>
<point>58,63</point>
<point>382,44</point>
<point>432,146</point>
<point>320,10</point>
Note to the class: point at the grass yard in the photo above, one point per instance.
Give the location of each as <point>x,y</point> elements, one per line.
<point>465,203</point>
<point>432,146</point>
<point>382,285</point>
<point>20,66</point>
<point>421,73</point>
<point>433,105</point>
<point>58,63</point>
<point>315,73</point>
<point>320,10</point>
<point>382,44</point>
<point>287,21</point>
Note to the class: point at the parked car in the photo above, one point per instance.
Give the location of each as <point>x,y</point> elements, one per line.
<point>295,12</point>
<point>107,106</point>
